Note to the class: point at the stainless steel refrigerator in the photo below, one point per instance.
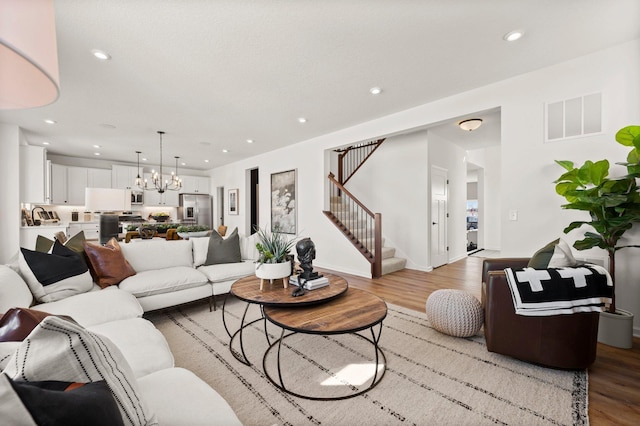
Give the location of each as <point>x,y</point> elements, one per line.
<point>196,209</point>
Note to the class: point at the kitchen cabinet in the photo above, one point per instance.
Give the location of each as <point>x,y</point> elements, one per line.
<point>29,234</point>
<point>123,177</point>
<point>98,178</point>
<point>33,175</point>
<point>195,185</point>
<point>91,229</point>
<point>68,183</point>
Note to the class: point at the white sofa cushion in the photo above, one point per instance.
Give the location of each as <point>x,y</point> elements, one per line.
<point>14,291</point>
<point>155,254</point>
<point>228,271</point>
<point>61,350</point>
<point>179,397</point>
<point>96,307</point>
<point>200,250</point>
<point>248,249</point>
<point>143,346</point>
<point>166,280</point>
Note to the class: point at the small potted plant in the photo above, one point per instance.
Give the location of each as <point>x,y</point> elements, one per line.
<point>274,259</point>
<point>161,217</point>
<point>613,204</point>
<point>186,231</point>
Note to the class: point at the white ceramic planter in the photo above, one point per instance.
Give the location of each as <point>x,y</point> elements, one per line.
<point>273,271</point>
<point>193,234</point>
<point>616,329</point>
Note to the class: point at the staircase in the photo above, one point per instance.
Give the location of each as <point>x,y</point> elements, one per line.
<point>358,224</point>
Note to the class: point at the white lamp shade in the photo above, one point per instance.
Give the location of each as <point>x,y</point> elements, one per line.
<point>28,54</point>
<point>107,199</point>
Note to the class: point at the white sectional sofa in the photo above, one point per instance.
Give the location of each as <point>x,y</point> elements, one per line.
<point>167,273</point>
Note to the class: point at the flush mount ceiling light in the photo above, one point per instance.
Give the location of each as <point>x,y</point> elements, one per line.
<point>470,124</point>
<point>513,35</point>
<point>28,54</point>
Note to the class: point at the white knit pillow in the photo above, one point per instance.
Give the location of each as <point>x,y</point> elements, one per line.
<point>62,350</point>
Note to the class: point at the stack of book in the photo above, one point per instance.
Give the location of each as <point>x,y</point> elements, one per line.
<point>311,284</point>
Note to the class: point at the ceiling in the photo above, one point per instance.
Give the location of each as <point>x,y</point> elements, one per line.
<point>212,74</point>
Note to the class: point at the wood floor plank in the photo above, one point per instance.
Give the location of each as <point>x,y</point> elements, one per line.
<point>614,378</point>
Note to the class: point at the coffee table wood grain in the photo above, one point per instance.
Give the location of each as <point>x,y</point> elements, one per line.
<point>274,294</point>
<point>355,311</point>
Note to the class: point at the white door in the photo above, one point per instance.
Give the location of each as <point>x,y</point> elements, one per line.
<point>439,194</point>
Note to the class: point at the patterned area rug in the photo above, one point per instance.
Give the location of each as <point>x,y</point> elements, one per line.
<point>431,378</point>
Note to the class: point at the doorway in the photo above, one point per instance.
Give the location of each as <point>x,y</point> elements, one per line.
<point>439,215</point>
<point>254,220</point>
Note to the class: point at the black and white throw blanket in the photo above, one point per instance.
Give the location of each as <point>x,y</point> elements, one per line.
<point>554,291</point>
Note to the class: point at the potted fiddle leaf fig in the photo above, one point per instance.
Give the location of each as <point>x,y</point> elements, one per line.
<point>613,205</point>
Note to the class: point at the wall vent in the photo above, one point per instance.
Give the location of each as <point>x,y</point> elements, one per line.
<point>575,117</point>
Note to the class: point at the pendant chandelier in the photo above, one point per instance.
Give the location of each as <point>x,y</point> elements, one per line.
<point>158,182</point>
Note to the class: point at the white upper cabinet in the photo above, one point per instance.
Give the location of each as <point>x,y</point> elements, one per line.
<point>98,178</point>
<point>33,172</point>
<point>195,185</point>
<point>68,183</point>
<point>123,177</point>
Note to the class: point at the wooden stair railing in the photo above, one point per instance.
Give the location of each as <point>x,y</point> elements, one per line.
<point>362,227</point>
<point>350,159</point>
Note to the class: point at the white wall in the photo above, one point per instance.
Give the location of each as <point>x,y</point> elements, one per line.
<point>10,138</point>
<point>489,195</point>
<point>393,182</point>
<point>447,155</point>
<point>527,169</point>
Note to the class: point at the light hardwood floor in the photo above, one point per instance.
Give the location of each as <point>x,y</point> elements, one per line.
<point>614,379</point>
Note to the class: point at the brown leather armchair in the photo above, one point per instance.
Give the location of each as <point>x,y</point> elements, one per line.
<point>558,341</point>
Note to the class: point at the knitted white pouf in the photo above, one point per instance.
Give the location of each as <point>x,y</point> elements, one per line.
<point>455,312</point>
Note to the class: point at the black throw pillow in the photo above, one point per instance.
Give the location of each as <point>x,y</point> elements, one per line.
<point>69,404</point>
<point>62,263</point>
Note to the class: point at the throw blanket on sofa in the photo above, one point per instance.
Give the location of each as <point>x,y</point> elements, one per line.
<point>554,291</point>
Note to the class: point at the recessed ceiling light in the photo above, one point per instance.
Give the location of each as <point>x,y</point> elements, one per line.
<point>302,120</point>
<point>513,35</point>
<point>96,153</point>
<point>375,90</point>
<point>45,143</point>
<point>101,55</point>
<point>206,161</point>
<point>183,164</point>
<point>225,150</point>
<point>249,140</point>
<point>143,159</point>
<point>50,121</point>
<point>97,146</point>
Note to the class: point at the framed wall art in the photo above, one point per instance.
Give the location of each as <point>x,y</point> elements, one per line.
<point>233,202</point>
<point>283,202</point>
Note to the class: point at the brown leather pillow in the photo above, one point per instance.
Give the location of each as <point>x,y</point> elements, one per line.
<point>107,263</point>
<point>17,323</point>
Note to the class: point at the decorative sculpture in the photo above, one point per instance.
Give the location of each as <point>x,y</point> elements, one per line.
<point>306,253</point>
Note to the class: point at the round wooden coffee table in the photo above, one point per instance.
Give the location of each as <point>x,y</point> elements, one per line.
<point>356,310</point>
<point>274,294</point>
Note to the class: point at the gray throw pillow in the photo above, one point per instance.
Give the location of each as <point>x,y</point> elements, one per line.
<point>223,250</point>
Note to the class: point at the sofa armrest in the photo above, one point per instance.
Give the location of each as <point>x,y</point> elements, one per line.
<point>499,264</point>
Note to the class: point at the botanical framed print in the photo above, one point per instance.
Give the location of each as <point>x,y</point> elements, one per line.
<point>233,202</point>
<point>283,202</point>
